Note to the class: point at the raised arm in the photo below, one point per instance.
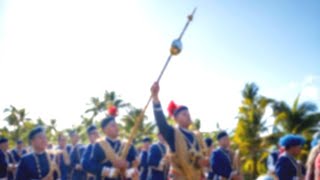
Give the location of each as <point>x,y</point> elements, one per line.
<point>165,129</point>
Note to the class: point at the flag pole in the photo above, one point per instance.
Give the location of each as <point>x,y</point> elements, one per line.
<point>175,49</point>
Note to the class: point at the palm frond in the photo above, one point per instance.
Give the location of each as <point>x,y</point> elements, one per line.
<point>295,104</point>
<point>307,107</point>
<point>308,123</point>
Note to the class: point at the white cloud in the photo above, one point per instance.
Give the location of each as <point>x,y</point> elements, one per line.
<point>311,80</point>
<point>311,88</point>
<point>311,92</point>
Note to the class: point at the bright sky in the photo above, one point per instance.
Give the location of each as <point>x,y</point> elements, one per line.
<point>55,55</point>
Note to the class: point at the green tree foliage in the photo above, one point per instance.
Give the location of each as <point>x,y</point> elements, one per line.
<point>98,106</point>
<point>17,122</point>
<point>127,123</point>
<point>196,125</point>
<point>251,124</point>
<point>19,126</point>
<point>301,118</point>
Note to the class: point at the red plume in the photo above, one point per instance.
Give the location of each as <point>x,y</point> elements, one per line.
<point>171,108</point>
<point>113,111</point>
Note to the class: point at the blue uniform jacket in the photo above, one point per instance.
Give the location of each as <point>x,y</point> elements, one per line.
<point>221,163</point>
<point>85,160</point>
<point>64,168</point>
<point>3,165</point>
<point>28,168</point>
<point>75,156</point>
<point>286,168</point>
<point>97,160</point>
<point>143,167</point>
<point>156,153</point>
<point>16,155</point>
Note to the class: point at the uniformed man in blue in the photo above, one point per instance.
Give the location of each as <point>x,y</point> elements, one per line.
<point>143,167</point>
<point>77,172</point>
<point>74,138</point>
<point>105,161</point>
<point>4,164</point>
<point>186,156</point>
<point>287,167</point>
<point>158,161</point>
<point>36,165</point>
<point>209,144</point>
<point>8,160</point>
<point>19,151</point>
<point>63,157</point>
<point>221,159</point>
<point>93,135</point>
<point>12,165</point>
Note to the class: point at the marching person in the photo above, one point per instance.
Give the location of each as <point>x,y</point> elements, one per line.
<point>37,165</point>
<point>186,156</point>
<point>222,159</point>
<point>210,147</point>
<point>313,168</point>
<point>105,162</point>
<point>12,165</point>
<point>74,138</point>
<point>4,161</point>
<point>8,159</point>
<point>93,135</point>
<point>63,157</point>
<point>313,161</point>
<point>287,167</point>
<point>143,167</point>
<point>19,151</point>
<point>209,144</point>
<point>158,162</point>
<point>77,172</point>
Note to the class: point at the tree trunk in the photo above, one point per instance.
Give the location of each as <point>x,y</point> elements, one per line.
<point>255,165</point>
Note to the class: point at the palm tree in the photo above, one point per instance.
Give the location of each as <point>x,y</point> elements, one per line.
<point>51,130</point>
<point>128,121</point>
<point>301,118</point>
<point>196,125</point>
<point>251,124</point>
<point>87,121</point>
<point>109,98</point>
<point>16,119</point>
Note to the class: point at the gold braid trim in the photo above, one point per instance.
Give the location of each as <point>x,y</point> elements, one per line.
<point>112,156</point>
<point>108,151</point>
<point>204,149</point>
<point>180,160</point>
<point>53,167</point>
<point>202,145</point>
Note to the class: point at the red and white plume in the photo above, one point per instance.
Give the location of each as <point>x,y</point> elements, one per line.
<point>112,111</point>
<point>172,107</point>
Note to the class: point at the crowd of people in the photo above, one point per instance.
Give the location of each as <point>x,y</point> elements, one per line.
<point>178,154</point>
